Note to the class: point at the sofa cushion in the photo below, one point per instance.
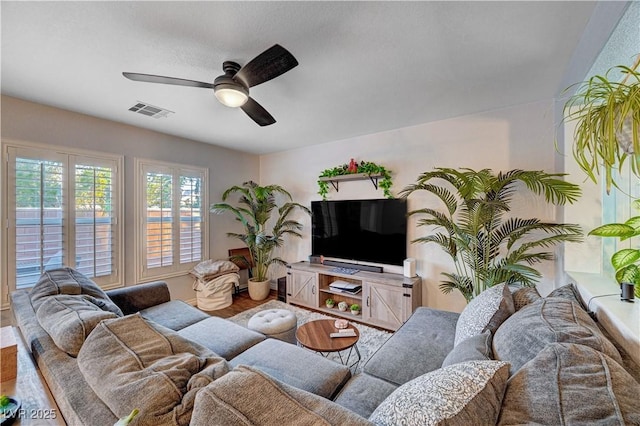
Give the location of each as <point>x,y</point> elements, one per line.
<point>174,314</point>
<point>69,281</point>
<point>363,393</point>
<point>547,321</point>
<point>485,312</point>
<point>417,347</point>
<point>246,396</point>
<point>474,348</point>
<point>295,366</point>
<point>524,296</point>
<point>221,336</point>
<point>569,292</point>
<point>571,384</point>
<point>69,319</point>
<point>132,363</point>
<point>460,394</point>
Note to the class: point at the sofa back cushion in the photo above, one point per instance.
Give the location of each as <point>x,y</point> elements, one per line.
<point>69,319</point>
<point>71,282</point>
<point>247,396</point>
<point>132,363</point>
<point>571,384</point>
<point>520,338</point>
<point>475,348</point>
<point>461,394</point>
<point>485,312</point>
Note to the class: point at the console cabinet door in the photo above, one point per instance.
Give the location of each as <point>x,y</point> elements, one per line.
<point>386,306</point>
<point>302,288</point>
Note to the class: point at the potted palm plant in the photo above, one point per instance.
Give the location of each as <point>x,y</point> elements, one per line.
<point>487,246</point>
<point>607,115</point>
<point>257,207</point>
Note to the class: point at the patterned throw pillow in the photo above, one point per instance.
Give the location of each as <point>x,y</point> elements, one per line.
<point>524,296</point>
<point>486,312</point>
<point>460,394</point>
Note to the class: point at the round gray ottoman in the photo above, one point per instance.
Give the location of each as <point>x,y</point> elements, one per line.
<point>277,323</point>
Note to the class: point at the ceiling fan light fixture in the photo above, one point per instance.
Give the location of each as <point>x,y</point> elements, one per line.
<point>231,95</point>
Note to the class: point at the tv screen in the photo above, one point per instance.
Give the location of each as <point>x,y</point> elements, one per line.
<point>361,230</point>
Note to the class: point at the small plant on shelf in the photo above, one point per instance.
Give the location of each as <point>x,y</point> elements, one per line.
<point>366,167</point>
<point>330,303</point>
<point>355,309</point>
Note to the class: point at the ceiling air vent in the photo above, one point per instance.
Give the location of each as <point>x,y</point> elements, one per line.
<point>150,110</point>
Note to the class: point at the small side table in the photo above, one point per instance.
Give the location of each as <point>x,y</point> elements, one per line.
<point>9,354</point>
<point>38,406</point>
<point>314,335</point>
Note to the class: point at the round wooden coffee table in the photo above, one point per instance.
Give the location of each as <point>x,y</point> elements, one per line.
<point>315,335</point>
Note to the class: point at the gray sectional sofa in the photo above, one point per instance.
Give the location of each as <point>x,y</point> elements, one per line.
<point>509,358</point>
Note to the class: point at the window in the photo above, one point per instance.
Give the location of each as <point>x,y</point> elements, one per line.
<point>170,207</point>
<point>62,209</point>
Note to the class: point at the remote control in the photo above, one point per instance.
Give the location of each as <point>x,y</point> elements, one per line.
<point>342,335</point>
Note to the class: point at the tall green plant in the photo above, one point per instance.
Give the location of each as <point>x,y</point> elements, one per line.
<point>487,246</point>
<point>256,206</point>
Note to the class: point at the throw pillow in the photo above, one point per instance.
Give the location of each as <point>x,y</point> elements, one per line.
<point>69,281</point>
<point>569,292</point>
<point>460,394</point>
<point>571,384</point>
<point>474,348</point>
<point>485,312</point>
<point>525,296</point>
<point>247,396</point>
<point>132,363</point>
<point>549,320</point>
<point>69,319</point>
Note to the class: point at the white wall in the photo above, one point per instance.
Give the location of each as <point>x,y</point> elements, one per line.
<point>27,121</point>
<point>517,137</point>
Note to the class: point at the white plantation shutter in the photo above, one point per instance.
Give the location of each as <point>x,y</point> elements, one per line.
<point>95,219</point>
<point>191,211</point>
<point>63,209</point>
<point>38,218</point>
<point>159,229</point>
<point>170,209</point>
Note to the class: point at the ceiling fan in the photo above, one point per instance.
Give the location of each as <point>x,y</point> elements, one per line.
<point>232,88</point>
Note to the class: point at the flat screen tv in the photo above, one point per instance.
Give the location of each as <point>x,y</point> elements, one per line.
<point>360,230</point>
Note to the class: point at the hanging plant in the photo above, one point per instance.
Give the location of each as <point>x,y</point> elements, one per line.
<point>365,167</point>
<point>607,116</point>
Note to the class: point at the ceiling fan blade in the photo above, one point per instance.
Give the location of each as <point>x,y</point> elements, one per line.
<point>148,78</point>
<point>257,113</point>
<point>269,64</point>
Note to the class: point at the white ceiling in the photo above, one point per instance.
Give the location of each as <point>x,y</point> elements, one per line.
<point>365,67</point>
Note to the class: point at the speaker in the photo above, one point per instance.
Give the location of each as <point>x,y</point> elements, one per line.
<point>626,292</point>
<point>282,289</point>
<point>316,259</point>
<point>410,267</point>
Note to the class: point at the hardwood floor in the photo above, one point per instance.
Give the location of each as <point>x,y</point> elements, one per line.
<point>241,302</point>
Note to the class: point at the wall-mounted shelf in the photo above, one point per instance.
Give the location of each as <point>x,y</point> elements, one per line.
<point>335,180</point>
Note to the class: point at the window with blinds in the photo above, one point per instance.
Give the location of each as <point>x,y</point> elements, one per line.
<point>63,209</point>
<point>171,214</point>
